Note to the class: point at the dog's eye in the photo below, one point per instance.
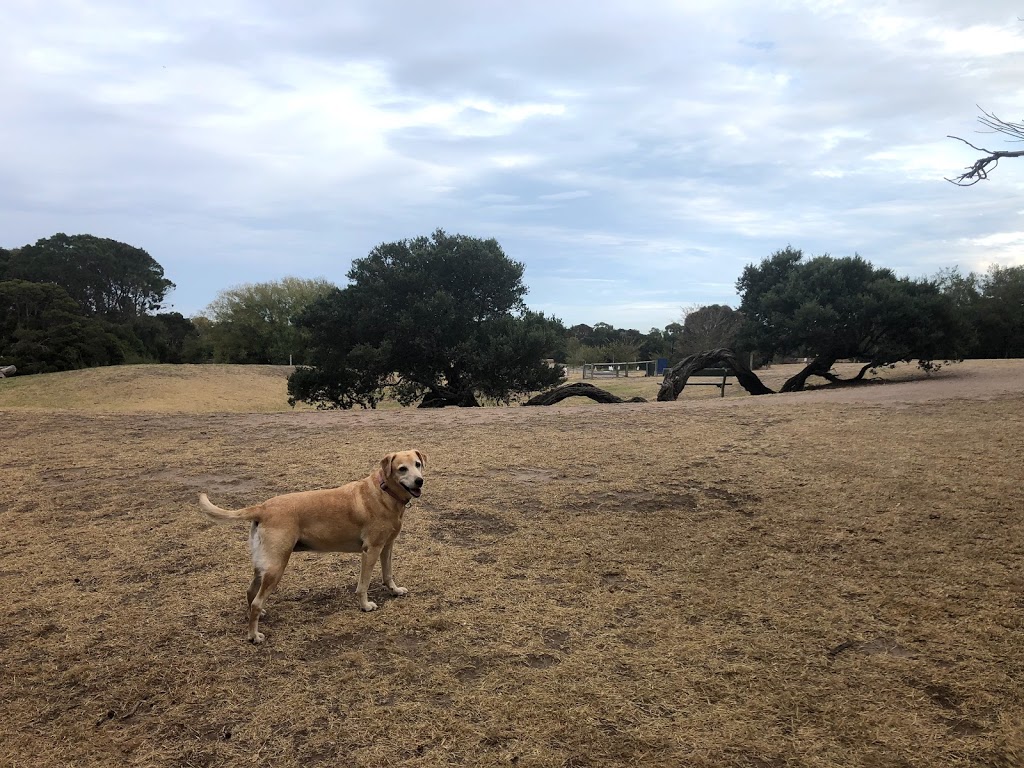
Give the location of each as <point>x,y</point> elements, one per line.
<point>417,465</point>
<point>403,469</point>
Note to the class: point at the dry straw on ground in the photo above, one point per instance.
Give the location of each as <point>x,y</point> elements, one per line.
<point>817,579</point>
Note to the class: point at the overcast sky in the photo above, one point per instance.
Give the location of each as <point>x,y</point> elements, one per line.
<point>634,155</point>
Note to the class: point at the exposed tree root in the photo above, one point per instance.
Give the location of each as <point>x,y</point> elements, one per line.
<point>579,389</point>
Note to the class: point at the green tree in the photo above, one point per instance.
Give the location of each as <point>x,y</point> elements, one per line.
<point>1000,312</point>
<point>42,329</point>
<point>714,326</point>
<point>621,350</point>
<point>107,278</point>
<point>439,317</point>
<point>253,323</point>
<point>837,308</point>
<point>578,353</point>
<point>167,337</point>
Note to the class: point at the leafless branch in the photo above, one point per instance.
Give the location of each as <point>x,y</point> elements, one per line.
<point>981,167</point>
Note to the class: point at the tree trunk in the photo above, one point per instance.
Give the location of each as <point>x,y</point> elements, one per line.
<point>579,389</point>
<point>676,376</point>
<point>819,366</point>
<point>440,397</point>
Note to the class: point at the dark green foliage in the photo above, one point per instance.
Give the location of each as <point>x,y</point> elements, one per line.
<point>837,308</point>
<point>80,301</point>
<point>714,326</point>
<point>605,343</point>
<point>107,278</point>
<point>168,337</point>
<point>999,313</point>
<point>440,317</point>
<point>991,305</point>
<point>42,329</point>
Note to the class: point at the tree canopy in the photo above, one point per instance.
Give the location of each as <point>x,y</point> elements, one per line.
<point>81,301</point>
<point>708,327</point>
<point>106,277</point>
<point>42,330</point>
<point>992,305</point>
<point>843,308</point>
<point>252,323</point>
<point>439,317</point>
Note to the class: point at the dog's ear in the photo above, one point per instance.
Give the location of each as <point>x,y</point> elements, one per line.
<point>423,457</point>
<point>385,464</point>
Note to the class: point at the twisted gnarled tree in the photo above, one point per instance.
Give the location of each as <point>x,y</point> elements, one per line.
<point>676,376</point>
<point>833,309</point>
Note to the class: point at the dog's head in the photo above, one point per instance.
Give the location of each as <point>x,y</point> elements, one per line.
<point>405,469</point>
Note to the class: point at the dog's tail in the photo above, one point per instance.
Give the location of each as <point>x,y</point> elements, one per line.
<point>226,515</point>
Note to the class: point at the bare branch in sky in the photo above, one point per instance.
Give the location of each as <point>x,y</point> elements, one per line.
<point>983,165</point>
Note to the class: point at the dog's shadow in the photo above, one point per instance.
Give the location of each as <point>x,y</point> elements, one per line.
<point>337,597</point>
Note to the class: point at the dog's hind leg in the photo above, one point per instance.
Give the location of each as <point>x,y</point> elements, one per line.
<point>270,554</point>
<point>267,581</point>
<point>254,588</point>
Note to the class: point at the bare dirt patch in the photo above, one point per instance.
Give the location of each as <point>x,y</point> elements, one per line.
<point>817,579</point>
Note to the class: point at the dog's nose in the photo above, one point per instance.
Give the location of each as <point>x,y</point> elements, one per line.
<point>419,482</point>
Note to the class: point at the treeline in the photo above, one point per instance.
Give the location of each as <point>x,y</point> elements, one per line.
<point>80,301</point>
<point>700,328</point>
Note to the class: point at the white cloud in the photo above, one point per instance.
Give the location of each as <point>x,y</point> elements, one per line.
<point>660,146</point>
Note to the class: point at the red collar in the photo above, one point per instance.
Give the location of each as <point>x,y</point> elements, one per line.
<point>383,483</point>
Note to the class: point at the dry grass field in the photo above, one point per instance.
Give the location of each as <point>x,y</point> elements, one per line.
<point>830,578</point>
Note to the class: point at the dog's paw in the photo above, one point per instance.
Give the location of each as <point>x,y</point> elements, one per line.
<point>398,591</point>
<point>257,638</point>
<point>368,606</point>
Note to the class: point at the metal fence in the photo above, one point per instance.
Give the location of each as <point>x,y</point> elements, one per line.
<point>615,370</point>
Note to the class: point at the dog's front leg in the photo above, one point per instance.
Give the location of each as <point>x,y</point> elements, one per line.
<point>369,559</point>
<point>385,567</point>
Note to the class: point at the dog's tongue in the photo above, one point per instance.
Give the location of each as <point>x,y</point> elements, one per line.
<point>415,492</point>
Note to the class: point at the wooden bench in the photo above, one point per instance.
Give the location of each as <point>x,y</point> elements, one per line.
<point>716,373</point>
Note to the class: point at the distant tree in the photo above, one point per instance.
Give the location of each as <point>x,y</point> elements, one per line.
<point>578,353</point>
<point>580,332</point>
<point>991,306</point>
<point>621,351</point>
<point>168,337</point>
<point>107,278</point>
<point>660,342</point>
<point>439,317</point>
<point>979,170</point>
<point>843,308</point>
<point>253,323</point>
<point>1000,312</point>
<point>593,335</point>
<point>965,295</point>
<point>605,343</point>
<point>42,329</point>
<point>712,326</point>
<point>199,348</point>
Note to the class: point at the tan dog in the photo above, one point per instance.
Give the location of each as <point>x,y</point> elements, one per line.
<point>361,516</point>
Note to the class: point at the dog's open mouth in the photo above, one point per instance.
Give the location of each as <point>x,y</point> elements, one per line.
<point>414,491</point>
